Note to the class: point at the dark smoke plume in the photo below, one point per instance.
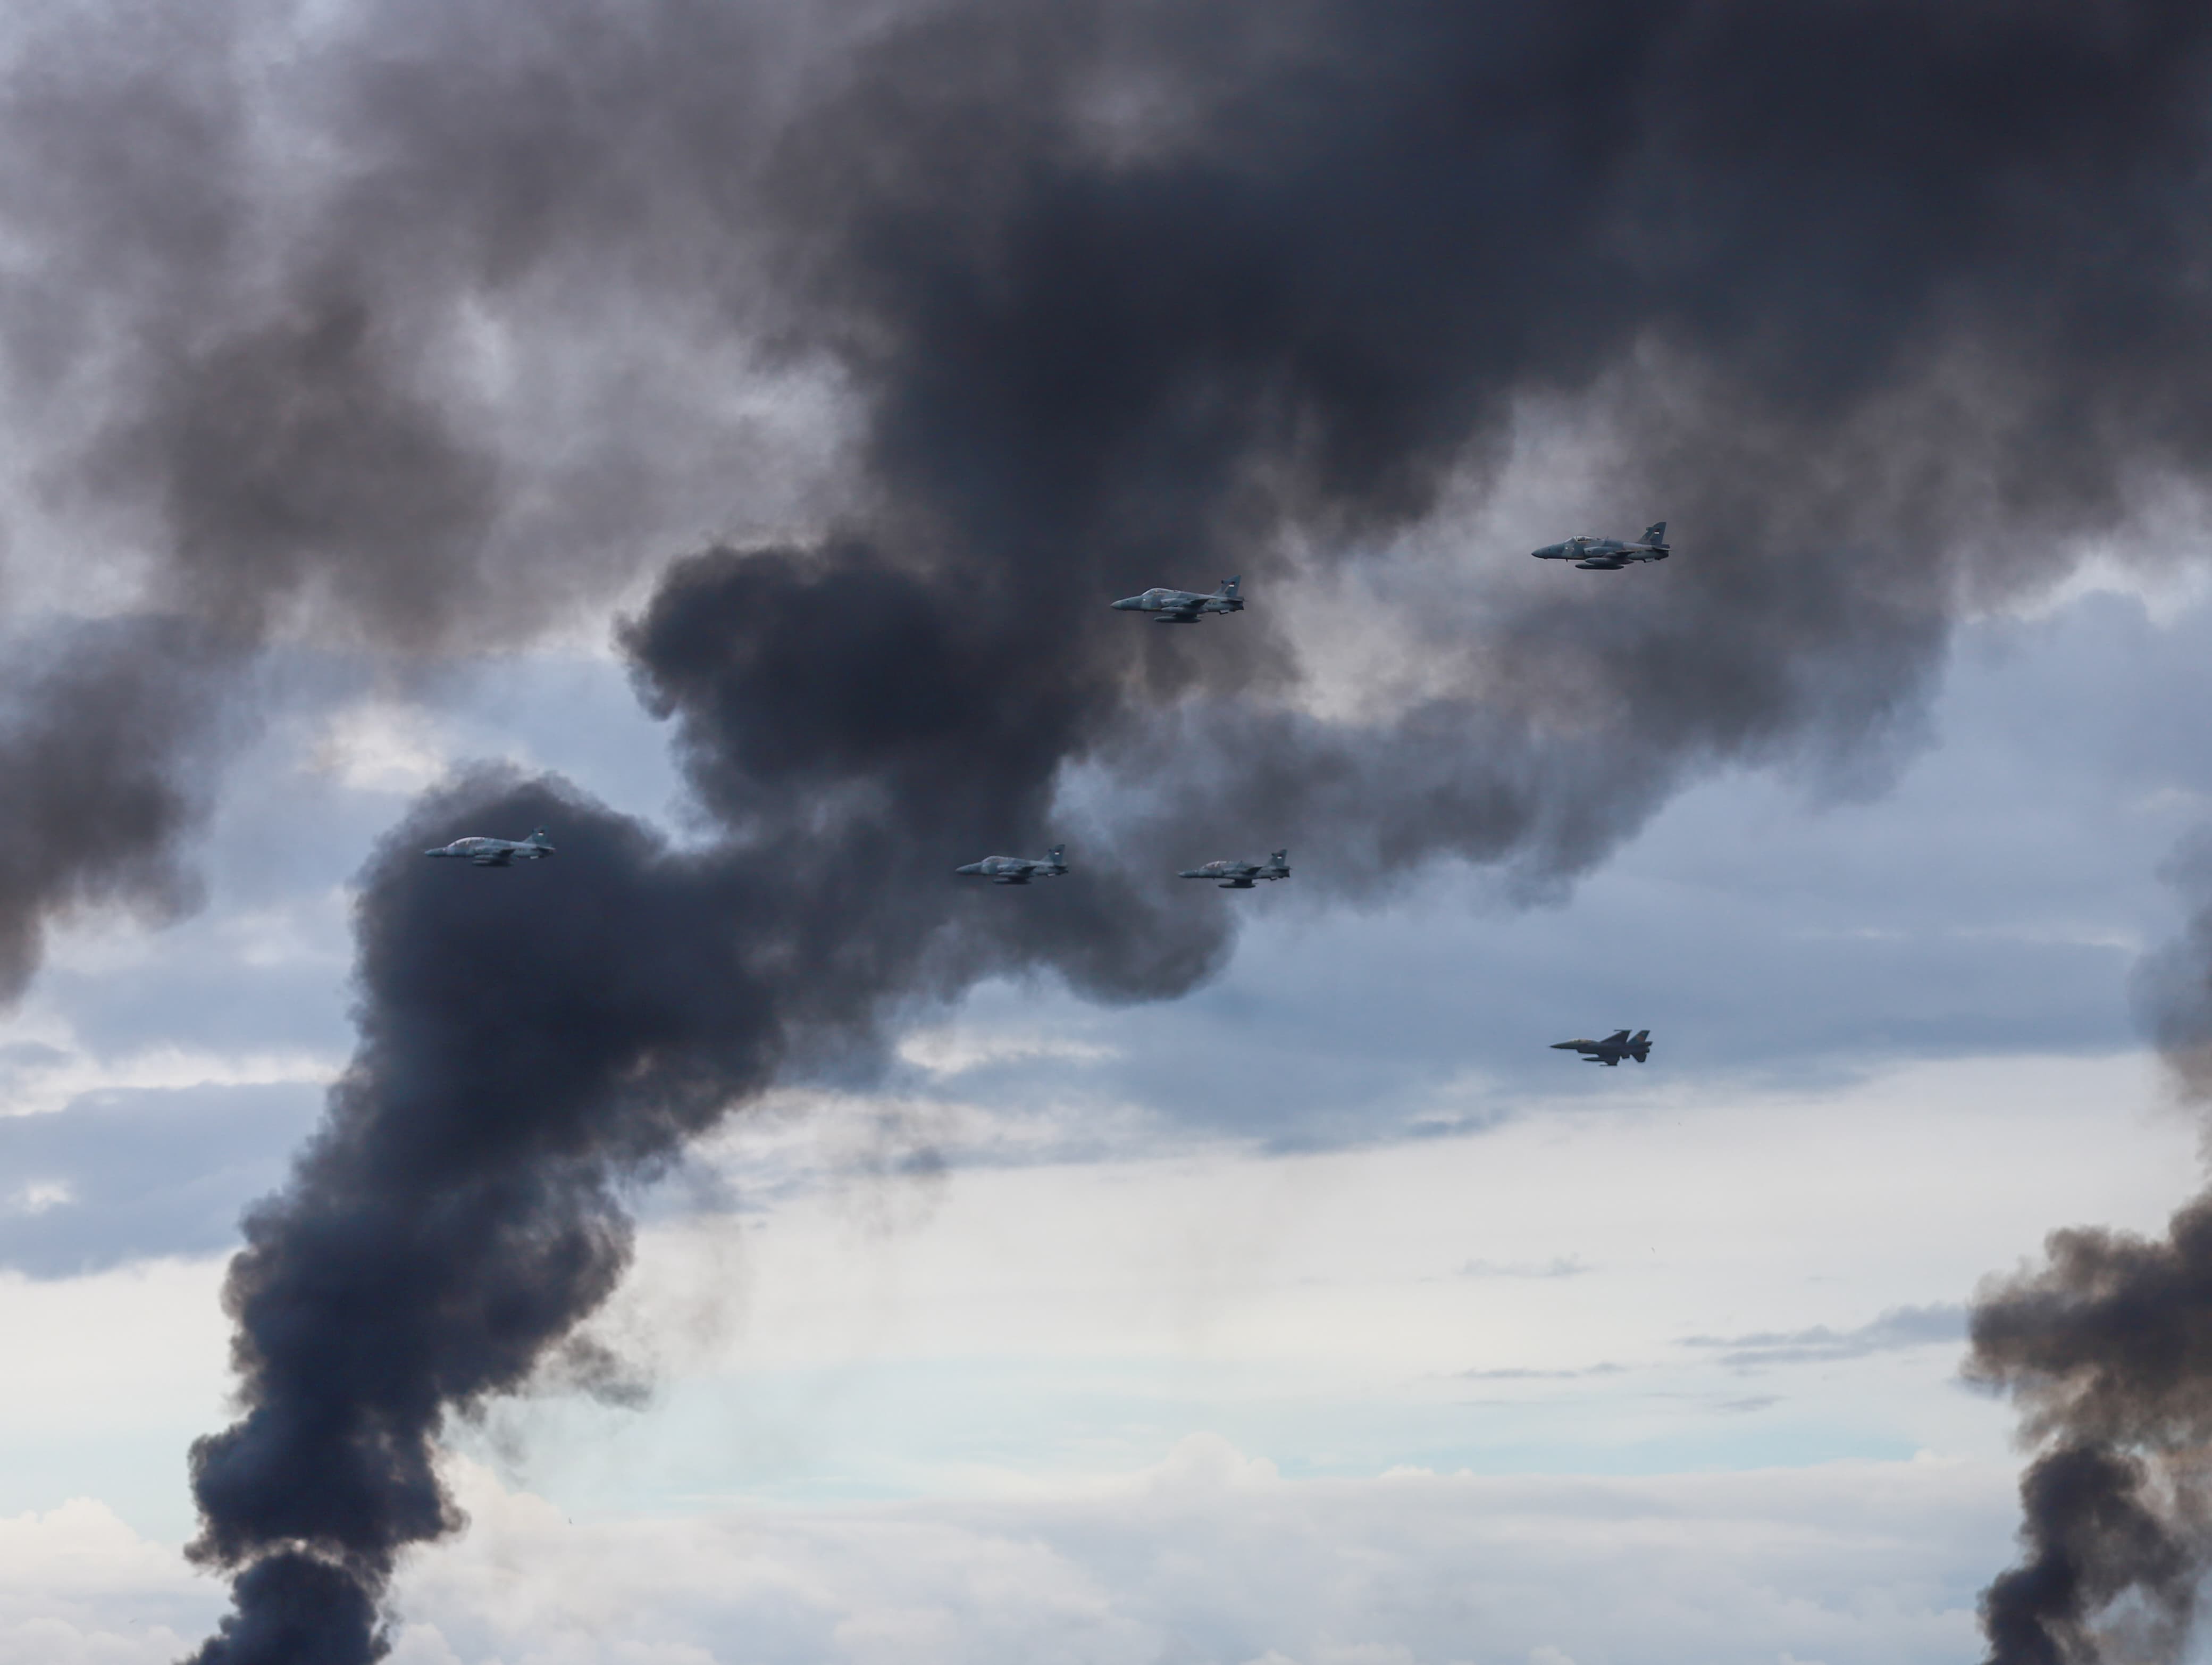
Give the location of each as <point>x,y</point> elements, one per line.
<point>100,728</point>
<point>421,325</point>
<point>224,439</point>
<point>2107,1348</point>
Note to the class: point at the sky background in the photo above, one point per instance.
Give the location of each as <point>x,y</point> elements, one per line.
<point>1323,1314</point>
<point>715,428</point>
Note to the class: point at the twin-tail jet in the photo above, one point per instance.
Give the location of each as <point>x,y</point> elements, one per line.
<point>497,852</point>
<point>1017,869</point>
<point>1608,555</point>
<point>1610,1051</point>
<point>1240,875</point>
<point>1184,606</point>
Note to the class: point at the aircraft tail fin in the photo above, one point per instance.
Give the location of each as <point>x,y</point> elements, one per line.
<point>1056,855</point>
<point>1279,858</point>
<point>1655,534</point>
<point>1228,590</point>
<point>537,836</point>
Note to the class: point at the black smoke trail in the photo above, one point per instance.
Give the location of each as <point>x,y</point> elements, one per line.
<point>2107,1347</point>
<point>422,325</point>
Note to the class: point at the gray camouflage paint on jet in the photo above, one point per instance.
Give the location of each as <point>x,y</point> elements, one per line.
<point>1239,875</point>
<point>497,852</point>
<point>1610,1051</point>
<point>1017,869</point>
<point>1185,606</point>
<point>1608,555</point>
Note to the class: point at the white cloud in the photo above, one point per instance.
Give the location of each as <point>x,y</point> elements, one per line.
<point>1212,1557</point>
<point>1209,1556</point>
<point>108,1379</point>
<point>956,1050</point>
<point>382,747</point>
<point>78,1586</point>
<point>39,1196</point>
<point>39,1076</point>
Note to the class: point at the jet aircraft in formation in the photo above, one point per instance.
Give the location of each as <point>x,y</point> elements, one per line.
<point>1184,606</point>
<point>1240,875</point>
<point>1187,607</point>
<point>1610,1051</point>
<point>497,852</point>
<point>1017,869</point>
<point>1608,555</point>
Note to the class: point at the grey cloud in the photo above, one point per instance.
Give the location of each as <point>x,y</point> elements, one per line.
<point>1746,1407</point>
<point>1564,1266</point>
<point>1529,1374</point>
<point>1898,1328</point>
<point>122,1175</point>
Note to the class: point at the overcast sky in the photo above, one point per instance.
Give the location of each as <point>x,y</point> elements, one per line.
<point>716,431</point>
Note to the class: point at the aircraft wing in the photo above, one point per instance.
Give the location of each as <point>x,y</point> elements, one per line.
<point>1618,1035</point>
<point>494,859</point>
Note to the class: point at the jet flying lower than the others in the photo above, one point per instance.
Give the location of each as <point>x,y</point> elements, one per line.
<point>1185,606</point>
<point>1608,555</point>
<point>1610,1051</point>
<point>1240,875</point>
<point>497,852</point>
<point>1017,869</point>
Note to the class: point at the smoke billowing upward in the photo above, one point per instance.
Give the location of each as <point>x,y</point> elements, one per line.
<point>100,727</point>
<point>419,325</point>
<point>2107,1348</point>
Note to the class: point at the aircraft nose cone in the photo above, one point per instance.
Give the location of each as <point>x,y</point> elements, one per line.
<point>1129,603</point>
<point>1563,1045</point>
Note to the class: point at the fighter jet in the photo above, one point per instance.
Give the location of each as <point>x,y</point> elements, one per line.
<point>1608,555</point>
<point>1610,1051</point>
<point>1239,875</point>
<point>497,852</point>
<point>1018,869</point>
<point>1184,606</point>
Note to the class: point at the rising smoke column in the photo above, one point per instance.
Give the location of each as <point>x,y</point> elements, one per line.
<point>528,1052</point>
<point>220,436</point>
<point>2107,1348</point>
<point>1102,296</point>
